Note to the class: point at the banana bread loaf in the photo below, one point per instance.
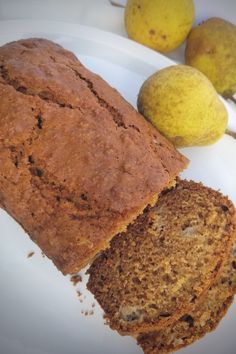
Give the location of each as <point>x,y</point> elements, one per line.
<point>77,162</point>
<point>162,267</point>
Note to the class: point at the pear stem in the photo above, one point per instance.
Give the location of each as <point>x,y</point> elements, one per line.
<point>229,132</point>
<point>232,99</point>
<point>116,4</point>
<point>229,96</point>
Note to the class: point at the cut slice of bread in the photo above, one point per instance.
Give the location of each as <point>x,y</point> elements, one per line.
<point>185,331</point>
<point>162,267</point>
<point>196,324</point>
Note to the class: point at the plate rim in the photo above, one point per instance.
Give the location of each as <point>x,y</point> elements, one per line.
<point>99,36</point>
<point>77,30</point>
<point>81,31</point>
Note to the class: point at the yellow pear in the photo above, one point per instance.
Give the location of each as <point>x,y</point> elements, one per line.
<point>211,48</point>
<point>183,105</point>
<point>159,24</point>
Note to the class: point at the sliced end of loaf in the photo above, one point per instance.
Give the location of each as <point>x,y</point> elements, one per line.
<point>166,261</point>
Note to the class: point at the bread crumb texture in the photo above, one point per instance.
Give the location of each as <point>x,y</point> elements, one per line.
<point>162,267</point>
<point>203,319</point>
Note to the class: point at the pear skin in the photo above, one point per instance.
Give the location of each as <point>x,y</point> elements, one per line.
<point>183,105</point>
<point>162,25</point>
<point>211,48</point>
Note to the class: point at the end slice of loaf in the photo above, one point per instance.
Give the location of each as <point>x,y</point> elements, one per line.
<point>205,318</point>
<point>162,267</point>
<point>77,162</point>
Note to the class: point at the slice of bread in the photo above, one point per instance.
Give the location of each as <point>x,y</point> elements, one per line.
<point>77,162</point>
<point>183,332</point>
<point>162,267</point>
<point>202,320</point>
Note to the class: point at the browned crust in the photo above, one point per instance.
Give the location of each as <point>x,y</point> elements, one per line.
<point>77,162</point>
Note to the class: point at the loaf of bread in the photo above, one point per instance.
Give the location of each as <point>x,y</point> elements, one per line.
<point>77,162</point>
<point>162,267</point>
<point>202,320</point>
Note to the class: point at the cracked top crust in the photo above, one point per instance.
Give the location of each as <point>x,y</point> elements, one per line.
<point>77,162</point>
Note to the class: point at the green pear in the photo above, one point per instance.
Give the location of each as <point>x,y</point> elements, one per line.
<point>211,48</point>
<point>183,105</point>
<point>161,25</point>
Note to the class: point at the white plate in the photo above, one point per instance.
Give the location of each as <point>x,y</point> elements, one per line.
<point>40,312</point>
